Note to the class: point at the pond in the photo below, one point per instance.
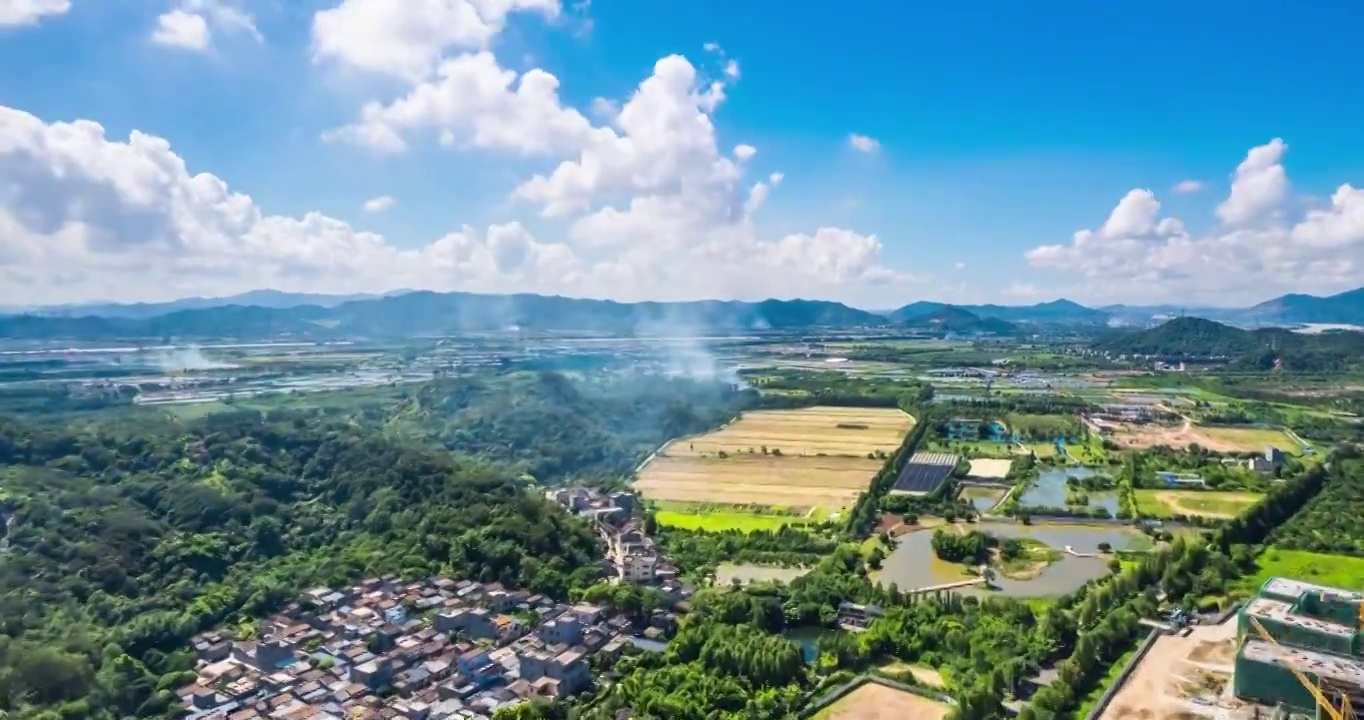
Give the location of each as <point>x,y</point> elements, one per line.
<point>914,565</point>
<point>807,638</point>
<point>982,498</point>
<point>1049,490</point>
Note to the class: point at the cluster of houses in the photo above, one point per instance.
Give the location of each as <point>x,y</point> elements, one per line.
<point>438,649</point>
<point>631,553</point>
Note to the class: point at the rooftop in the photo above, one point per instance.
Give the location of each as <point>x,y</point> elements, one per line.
<point>1328,667</point>
<point>933,458</point>
<point>1283,612</point>
<point>1295,588</point>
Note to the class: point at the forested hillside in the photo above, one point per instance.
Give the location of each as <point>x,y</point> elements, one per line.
<point>129,535</point>
<point>1330,523</point>
<point>1264,349</point>
<point>552,427</point>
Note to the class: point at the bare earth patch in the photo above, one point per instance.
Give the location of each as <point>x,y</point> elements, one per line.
<point>1217,439</point>
<point>1181,677</point>
<point>873,701</point>
<point>991,469</point>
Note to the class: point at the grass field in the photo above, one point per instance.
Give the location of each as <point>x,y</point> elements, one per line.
<point>913,672</point>
<point>721,520</point>
<point>1250,439</point>
<point>874,701</point>
<point>982,498</point>
<point>822,463</point>
<point>1341,571</point>
<point>1167,503</point>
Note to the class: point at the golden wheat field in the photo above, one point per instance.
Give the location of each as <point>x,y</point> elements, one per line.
<point>816,457</point>
<point>807,431</point>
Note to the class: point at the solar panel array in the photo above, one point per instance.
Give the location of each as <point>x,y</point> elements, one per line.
<point>924,473</point>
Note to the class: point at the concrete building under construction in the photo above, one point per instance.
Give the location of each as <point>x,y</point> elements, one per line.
<point>1316,635</point>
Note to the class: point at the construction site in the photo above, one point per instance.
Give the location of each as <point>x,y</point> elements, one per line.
<point>1294,650</point>
<point>1302,649</point>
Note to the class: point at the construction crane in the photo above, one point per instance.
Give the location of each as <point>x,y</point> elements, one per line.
<point>1344,712</point>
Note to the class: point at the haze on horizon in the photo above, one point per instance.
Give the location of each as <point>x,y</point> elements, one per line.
<point>201,148</point>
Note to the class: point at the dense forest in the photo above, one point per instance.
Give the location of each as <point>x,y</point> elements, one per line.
<point>121,547</point>
<point>552,427</point>
<point>122,539</point>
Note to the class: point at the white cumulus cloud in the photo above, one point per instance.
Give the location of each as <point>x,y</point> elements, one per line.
<point>407,39</point>
<point>190,25</point>
<point>1186,187</point>
<point>863,143</point>
<point>1256,249</point>
<point>379,204</point>
<point>19,13</point>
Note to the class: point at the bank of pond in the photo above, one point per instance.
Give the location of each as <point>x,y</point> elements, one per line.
<point>913,563</point>
<point>1051,490</point>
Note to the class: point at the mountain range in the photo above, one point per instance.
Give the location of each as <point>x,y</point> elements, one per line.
<point>405,313</point>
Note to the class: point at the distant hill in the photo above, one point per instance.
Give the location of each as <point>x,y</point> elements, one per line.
<point>1055,312</point>
<point>429,313</point>
<point>1345,308</point>
<point>949,319</point>
<point>255,298</point>
<point>1264,348</point>
<point>1189,337</point>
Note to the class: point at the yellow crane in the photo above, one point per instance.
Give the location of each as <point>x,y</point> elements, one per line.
<point>1344,712</point>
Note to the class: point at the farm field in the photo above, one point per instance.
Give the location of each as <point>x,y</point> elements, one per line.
<point>811,461</point>
<point>827,482</point>
<point>1341,571</point>
<point>821,430</point>
<point>874,701</point>
<point>1167,503</point>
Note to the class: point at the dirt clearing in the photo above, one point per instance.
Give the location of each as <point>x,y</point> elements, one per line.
<point>1181,677</point>
<point>874,701</point>
<point>1217,439</point>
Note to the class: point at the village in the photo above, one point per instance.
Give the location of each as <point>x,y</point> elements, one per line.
<point>435,649</point>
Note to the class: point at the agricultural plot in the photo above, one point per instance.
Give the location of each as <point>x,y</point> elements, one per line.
<point>874,701</point>
<point>1168,503</point>
<point>815,457</point>
<point>830,431</point>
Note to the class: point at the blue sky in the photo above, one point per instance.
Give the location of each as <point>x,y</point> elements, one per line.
<point>1000,131</point>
